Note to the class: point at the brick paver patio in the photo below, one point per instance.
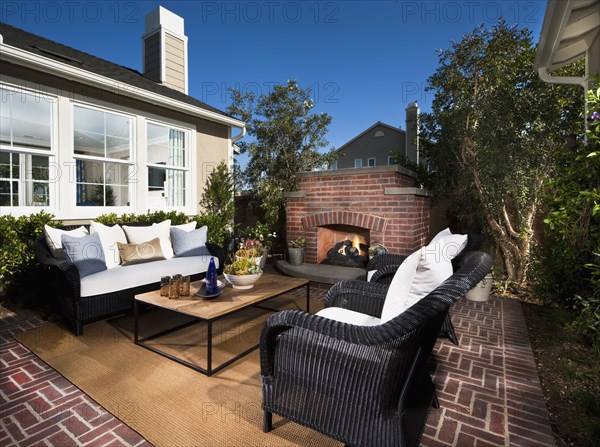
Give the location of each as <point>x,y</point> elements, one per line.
<point>488,388</point>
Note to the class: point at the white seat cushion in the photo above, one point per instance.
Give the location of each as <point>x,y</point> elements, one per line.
<point>429,266</point>
<point>109,236</point>
<point>125,277</point>
<point>348,316</point>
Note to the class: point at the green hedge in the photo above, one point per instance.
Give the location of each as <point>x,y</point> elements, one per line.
<point>17,259</point>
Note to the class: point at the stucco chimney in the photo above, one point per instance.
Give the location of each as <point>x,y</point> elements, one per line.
<point>412,132</point>
<point>165,49</point>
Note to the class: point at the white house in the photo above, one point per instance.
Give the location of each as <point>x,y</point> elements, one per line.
<point>81,136</point>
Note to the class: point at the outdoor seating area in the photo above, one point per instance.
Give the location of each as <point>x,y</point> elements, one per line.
<point>487,387</point>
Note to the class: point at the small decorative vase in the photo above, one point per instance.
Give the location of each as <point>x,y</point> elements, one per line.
<point>242,282</point>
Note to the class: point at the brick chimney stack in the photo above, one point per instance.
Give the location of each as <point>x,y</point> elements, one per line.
<point>165,49</point>
<point>412,132</point>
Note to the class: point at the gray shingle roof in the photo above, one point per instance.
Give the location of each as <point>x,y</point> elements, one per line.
<point>53,50</point>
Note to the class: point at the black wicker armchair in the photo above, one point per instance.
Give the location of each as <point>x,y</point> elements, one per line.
<point>362,385</point>
<point>386,265</point>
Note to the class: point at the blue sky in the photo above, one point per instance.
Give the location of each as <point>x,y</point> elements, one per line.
<point>365,60</point>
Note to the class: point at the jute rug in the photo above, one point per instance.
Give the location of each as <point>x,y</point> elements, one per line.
<point>167,403</point>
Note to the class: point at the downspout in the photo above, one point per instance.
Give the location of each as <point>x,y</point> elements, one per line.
<point>568,80</point>
<point>240,136</point>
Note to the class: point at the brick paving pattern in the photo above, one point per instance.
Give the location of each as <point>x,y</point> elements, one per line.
<point>488,388</point>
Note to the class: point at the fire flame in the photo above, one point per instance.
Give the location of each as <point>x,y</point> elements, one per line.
<point>355,243</point>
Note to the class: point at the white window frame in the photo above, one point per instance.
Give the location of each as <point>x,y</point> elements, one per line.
<point>369,162</point>
<point>190,185</point>
<point>101,209</point>
<point>358,163</point>
<point>334,166</point>
<point>23,152</point>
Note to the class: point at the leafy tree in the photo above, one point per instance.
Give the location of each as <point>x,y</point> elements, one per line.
<point>287,137</point>
<point>217,197</point>
<point>493,132</point>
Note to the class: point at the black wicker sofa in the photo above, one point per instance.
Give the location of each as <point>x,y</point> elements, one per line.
<point>64,293</point>
<point>362,385</point>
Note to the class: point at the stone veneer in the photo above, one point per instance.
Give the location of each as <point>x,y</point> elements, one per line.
<point>383,199</point>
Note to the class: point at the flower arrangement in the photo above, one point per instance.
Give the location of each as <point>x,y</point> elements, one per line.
<point>260,232</point>
<point>244,259</point>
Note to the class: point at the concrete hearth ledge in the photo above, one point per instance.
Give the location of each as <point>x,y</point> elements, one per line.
<point>326,274</point>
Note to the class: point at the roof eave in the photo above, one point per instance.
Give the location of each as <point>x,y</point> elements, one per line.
<point>18,56</point>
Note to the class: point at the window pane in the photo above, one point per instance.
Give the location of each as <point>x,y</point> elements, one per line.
<point>30,121</point>
<point>90,195</point>
<point>90,171</point>
<point>166,146</point>
<point>117,173</point>
<point>87,143</point>
<point>117,148</point>
<point>158,144</point>
<point>5,165</point>
<point>117,126</point>
<point>88,120</point>
<point>166,187</point>
<point>28,117</point>
<point>39,167</point>
<point>41,194</point>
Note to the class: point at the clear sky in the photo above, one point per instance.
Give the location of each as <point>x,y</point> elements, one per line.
<point>365,60</point>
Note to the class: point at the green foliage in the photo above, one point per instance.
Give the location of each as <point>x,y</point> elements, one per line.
<point>260,232</point>
<point>299,242</point>
<point>568,268</point>
<point>217,198</point>
<point>287,138</point>
<point>17,235</point>
<point>217,232</point>
<point>176,217</point>
<point>493,132</point>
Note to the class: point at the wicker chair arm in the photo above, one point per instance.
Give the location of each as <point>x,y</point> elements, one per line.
<point>384,275</point>
<point>379,261</point>
<point>327,331</point>
<point>63,267</point>
<point>359,296</point>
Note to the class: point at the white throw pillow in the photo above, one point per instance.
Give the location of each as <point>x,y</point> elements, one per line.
<point>445,232</point>
<point>53,237</point>
<point>109,236</point>
<point>432,267</point>
<point>139,235</point>
<point>190,226</point>
<point>399,287</point>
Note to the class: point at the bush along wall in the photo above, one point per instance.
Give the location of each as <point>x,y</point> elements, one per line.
<point>20,274</point>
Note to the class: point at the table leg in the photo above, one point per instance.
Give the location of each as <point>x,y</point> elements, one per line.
<point>209,349</point>
<point>135,320</point>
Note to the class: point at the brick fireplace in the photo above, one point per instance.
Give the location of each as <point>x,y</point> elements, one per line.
<point>376,204</point>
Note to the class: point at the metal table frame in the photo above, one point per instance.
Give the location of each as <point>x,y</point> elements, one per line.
<point>209,370</point>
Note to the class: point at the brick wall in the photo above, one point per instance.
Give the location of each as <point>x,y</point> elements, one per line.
<point>383,199</point>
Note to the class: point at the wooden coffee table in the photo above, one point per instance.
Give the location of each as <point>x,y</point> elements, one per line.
<point>204,310</point>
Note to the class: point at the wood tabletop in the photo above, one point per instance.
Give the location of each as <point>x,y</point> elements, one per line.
<point>268,286</point>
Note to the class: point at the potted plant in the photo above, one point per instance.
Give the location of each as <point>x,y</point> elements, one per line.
<point>244,270</point>
<point>296,250</point>
<point>260,232</point>
<point>377,249</point>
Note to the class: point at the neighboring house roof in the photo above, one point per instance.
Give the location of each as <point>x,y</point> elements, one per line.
<point>570,29</point>
<point>63,54</point>
<point>378,123</point>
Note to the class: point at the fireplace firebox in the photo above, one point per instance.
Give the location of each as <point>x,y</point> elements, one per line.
<point>344,245</point>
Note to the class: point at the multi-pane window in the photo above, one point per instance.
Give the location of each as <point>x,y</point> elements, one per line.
<point>103,145</point>
<point>25,148</point>
<point>168,166</point>
<point>358,162</point>
<point>371,161</point>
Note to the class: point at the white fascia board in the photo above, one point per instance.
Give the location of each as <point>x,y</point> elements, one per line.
<point>17,56</point>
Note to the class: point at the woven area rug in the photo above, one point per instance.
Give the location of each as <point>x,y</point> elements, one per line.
<point>167,403</point>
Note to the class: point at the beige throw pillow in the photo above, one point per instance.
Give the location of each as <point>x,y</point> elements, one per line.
<point>138,253</point>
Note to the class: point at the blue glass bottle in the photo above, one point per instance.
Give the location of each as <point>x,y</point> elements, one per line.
<point>211,278</point>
